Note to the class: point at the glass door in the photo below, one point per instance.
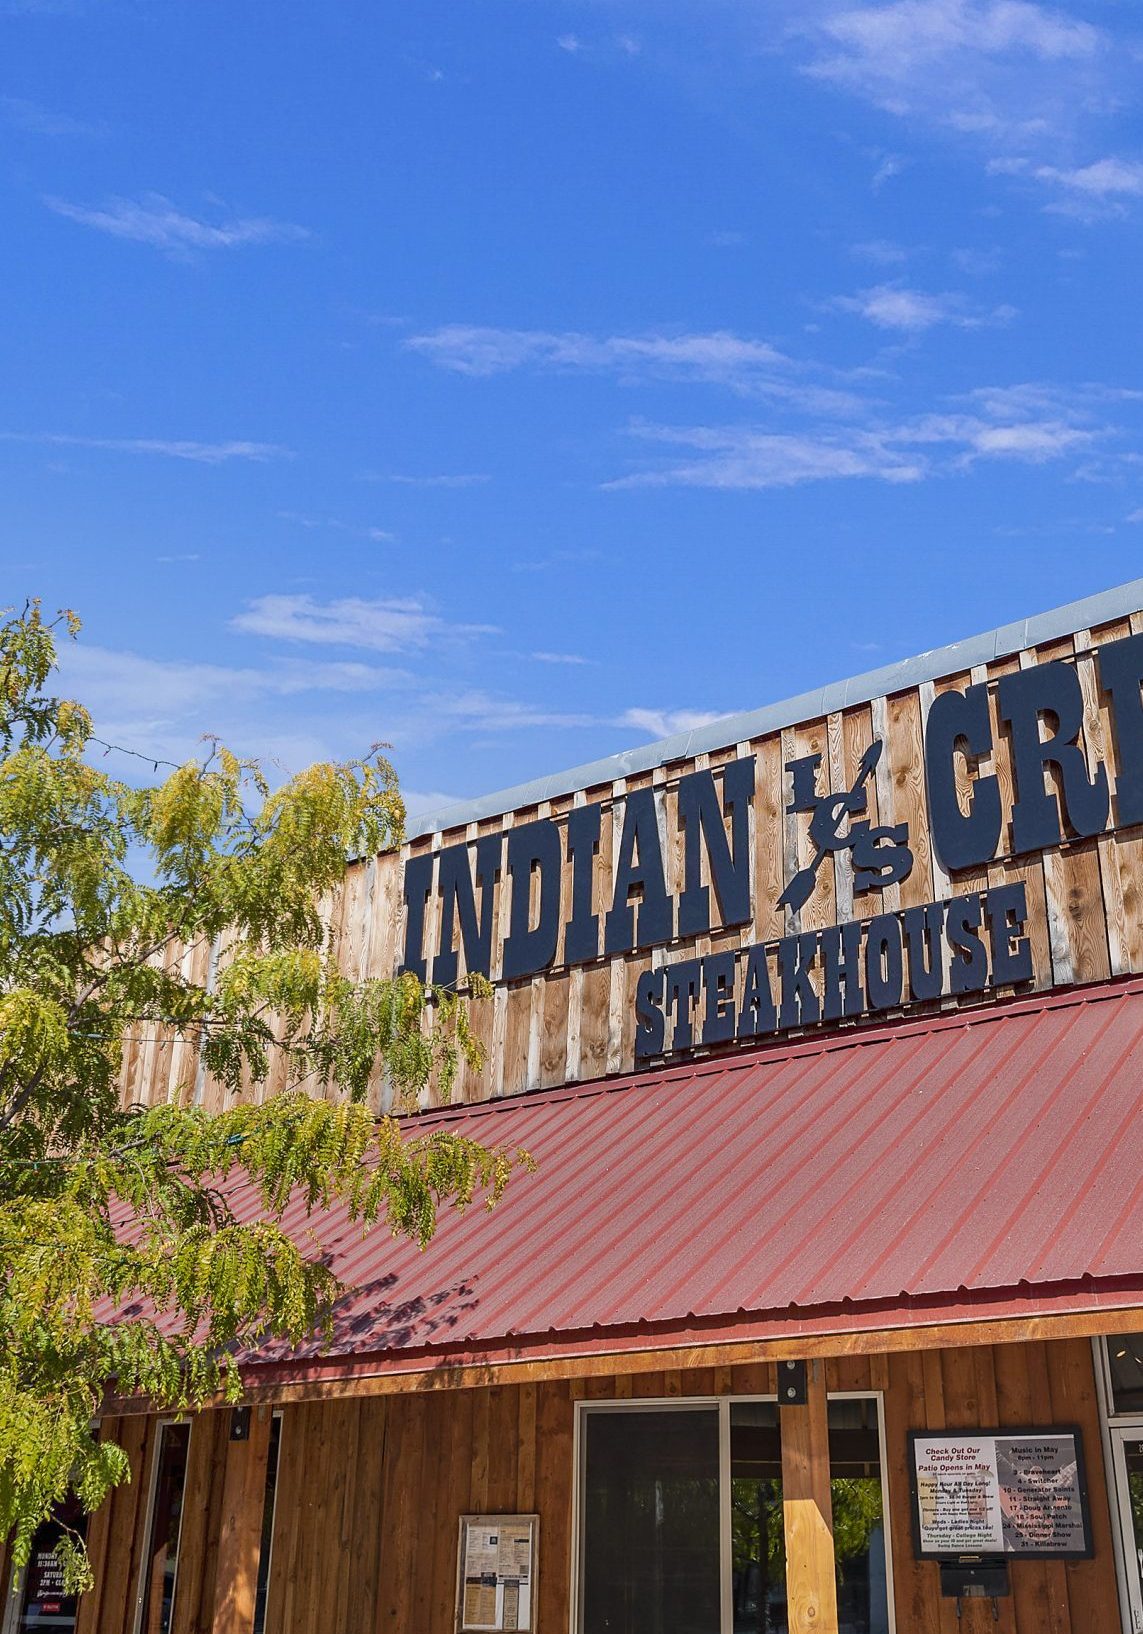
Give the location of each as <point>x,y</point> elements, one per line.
<point>1127,1453</point>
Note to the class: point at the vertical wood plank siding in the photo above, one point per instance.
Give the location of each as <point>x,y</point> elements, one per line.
<point>575,1023</point>
<point>370,1491</point>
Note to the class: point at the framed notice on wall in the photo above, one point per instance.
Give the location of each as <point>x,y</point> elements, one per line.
<point>1019,1493</point>
<point>496,1573</point>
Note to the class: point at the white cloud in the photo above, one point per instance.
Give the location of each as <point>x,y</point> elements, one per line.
<point>881,252</point>
<point>392,624</point>
<point>173,448</point>
<point>337,524</point>
<point>1029,424</point>
<point>1103,179</point>
<point>559,658</point>
<point>460,479</point>
<point>127,685</point>
<point>27,116</point>
<point>1088,192</point>
<point>154,220</point>
<point>1134,516</point>
<point>667,723</point>
<point>992,70</point>
<point>570,43</point>
<point>472,349</point>
<point>891,306</point>
<point>744,457</point>
<point>889,167</point>
<point>740,363</point>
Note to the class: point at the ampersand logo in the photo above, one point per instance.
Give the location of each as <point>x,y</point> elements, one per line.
<point>881,855</point>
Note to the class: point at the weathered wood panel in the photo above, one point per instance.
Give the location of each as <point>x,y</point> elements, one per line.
<point>370,1492</point>
<point>577,1022</point>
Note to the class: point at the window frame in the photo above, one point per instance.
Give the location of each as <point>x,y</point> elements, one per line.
<point>1130,1606</point>
<point>161,1426</point>
<point>721,1405</point>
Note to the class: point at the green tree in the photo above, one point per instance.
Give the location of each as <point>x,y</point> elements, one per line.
<point>97,878</point>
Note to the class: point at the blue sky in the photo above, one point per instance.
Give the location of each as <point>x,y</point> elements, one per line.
<point>516,381</point>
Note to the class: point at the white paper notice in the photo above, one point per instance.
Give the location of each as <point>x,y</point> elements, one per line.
<point>496,1572</point>
<point>958,1495</point>
<point>1004,1494</point>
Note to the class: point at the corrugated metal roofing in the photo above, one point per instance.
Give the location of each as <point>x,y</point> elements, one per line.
<point>986,1162</point>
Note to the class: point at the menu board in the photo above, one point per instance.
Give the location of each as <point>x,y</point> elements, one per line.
<point>1000,1492</point>
<point>496,1573</point>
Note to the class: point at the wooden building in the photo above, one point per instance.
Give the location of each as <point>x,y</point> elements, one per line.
<point>823,1311</point>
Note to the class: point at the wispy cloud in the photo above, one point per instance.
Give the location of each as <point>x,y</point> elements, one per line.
<point>892,306</point>
<point>667,723</point>
<point>23,115</point>
<point>459,479</point>
<point>744,457</point>
<point>472,349</point>
<point>1086,191</point>
<point>559,658</point>
<point>1028,424</point>
<point>387,624</point>
<point>740,363</point>
<point>336,524</point>
<point>557,558</point>
<point>990,70</point>
<point>571,43</point>
<point>154,220</point>
<point>176,448</point>
<point>119,681</point>
<point>881,252</point>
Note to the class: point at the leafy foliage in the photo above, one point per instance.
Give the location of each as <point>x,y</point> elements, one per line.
<point>122,1265</point>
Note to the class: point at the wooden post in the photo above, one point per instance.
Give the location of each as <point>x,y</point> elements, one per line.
<point>807,1513</point>
<point>240,1537</point>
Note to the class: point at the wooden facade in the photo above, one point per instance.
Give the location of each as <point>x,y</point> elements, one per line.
<point>370,1490</point>
<point>375,1470</point>
<point>576,1022</point>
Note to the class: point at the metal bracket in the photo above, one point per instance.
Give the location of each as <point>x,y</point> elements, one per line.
<point>792,1388</point>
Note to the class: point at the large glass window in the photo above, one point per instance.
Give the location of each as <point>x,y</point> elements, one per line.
<point>662,1488</point>
<point>650,1507</point>
<point>160,1564</point>
<point>758,1551</point>
<point>1125,1360</point>
<point>858,1519</point>
<point>38,1603</point>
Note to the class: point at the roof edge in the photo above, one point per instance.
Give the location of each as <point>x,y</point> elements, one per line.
<point>738,728</point>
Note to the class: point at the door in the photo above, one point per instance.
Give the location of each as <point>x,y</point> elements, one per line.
<point>1127,1453</point>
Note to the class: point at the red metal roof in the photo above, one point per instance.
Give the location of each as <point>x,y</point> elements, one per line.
<point>961,1166</point>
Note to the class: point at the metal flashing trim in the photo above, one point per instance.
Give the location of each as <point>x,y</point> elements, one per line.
<point>807,706</point>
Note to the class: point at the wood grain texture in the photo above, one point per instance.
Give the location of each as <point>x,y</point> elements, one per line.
<point>370,1492</point>
<point>807,1511</point>
<point>240,1525</point>
<point>1085,900</point>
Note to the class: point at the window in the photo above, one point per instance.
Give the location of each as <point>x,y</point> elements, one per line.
<point>681,1527</point>
<point>1125,1365</point>
<point>37,1603</point>
<point>651,1522</point>
<point>857,1497</point>
<point>160,1564</point>
<point>758,1551</point>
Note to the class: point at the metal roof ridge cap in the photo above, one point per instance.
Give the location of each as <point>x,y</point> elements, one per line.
<point>929,665</point>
